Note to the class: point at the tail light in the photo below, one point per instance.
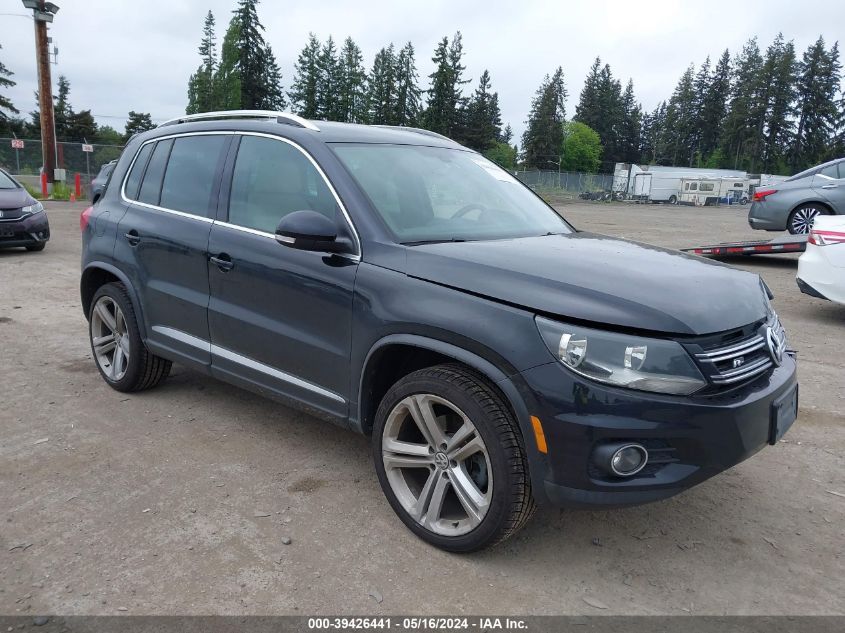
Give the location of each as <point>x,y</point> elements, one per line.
<point>84,218</point>
<point>759,196</point>
<point>826,238</point>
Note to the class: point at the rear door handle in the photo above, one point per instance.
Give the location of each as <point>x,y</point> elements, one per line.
<point>829,186</point>
<point>222,261</point>
<point>132,237</point>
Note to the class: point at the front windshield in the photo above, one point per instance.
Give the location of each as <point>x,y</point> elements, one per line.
<point>432,194</point>
<point>6,182</point>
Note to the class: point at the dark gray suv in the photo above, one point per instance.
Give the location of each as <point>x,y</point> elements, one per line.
<point>402,286</point>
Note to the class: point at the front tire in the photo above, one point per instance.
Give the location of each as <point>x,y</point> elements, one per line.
<point>123,360</point>
<point>450,459</point>
<point>34,248</point>
<point>801,219</point>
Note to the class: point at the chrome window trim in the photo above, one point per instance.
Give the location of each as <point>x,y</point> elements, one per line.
<point>154,207</point>
<point>194,341</point>
<point>355,236</point>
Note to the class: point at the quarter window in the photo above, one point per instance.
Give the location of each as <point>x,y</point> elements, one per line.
<point>272,179</point>
<point>151,187</point>
<point>189,178</point>
<point>831,171</point>
<point>134,181</point>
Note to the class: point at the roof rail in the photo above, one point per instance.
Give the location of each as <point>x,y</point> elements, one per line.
<point>417,130</point>
<point>281,117</point>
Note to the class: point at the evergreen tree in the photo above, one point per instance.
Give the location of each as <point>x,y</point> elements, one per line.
<point>306,80</point>
<point>678,134</point>
<point>227,79</point>
<point>630,130</point>
<point>652,149</point>
<point>62,111</point>
<point>779,73</point>
<point>507,134</point>
<point>407,88</point>
<point>483,118</point>
<point>445,99</point>
<point>328,86</point>
<point>352,92</point>
<point>5,82</point>
<point>542,140</point>
<point>138,122</point>
<point>201,89</point>
<point>712,99</point>
<point>588,111</point>
<point>740,123</point>
<point>817,87</point>
<point>382,84</point>
<point>275,97</point>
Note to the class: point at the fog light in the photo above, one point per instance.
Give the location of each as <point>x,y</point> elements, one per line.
<point>628,460</point>
<point>622,459</point>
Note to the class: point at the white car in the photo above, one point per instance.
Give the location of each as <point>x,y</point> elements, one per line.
<point>821,269</point>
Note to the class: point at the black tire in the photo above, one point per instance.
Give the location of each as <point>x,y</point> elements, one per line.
<point>511,502</point>
<point>802,217</point>
<point>34,248</point>
<point>672,200</point>
<point>144,370</point>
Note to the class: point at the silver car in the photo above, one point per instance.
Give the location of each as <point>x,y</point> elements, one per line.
<point>793,204</point>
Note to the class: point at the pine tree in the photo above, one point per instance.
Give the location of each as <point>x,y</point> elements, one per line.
<point>543,138</point>
<point>328,65</point>
<point>274,98</point>
<point>507,134</point>
<point>445,99</point>
<point>259,81</point>
<point>630,130</point>
<point>740,123</point>
<point>382,84</point>
<point>62,111</point>
<point>817,86</point>
<point>779,73</point>
<point>678,133</point>
<point>407,88</point>
<point>5,82</point>
<point>306,80</point>
<point>352,92</point>
<point>201,89</point>
<point>227,79</point>
<point>588,111</point>
<point>138,122</point>
<point>602,109</point>
<point>483,118</point>
<point>652,136</point>
<point>713,105</point>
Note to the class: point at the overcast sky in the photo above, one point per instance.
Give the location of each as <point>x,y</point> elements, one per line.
<point>121,55</point>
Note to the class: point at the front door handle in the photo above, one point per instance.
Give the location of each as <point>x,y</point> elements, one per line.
<point>829,186</point>
<point>223,262</point>
<point>132,237</point>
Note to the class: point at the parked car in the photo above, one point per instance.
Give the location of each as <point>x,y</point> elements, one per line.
<point>821,268</point>
<point>793,204</point>
<point>98,184</point>
<point>23,221</point>
<point>395,283</point>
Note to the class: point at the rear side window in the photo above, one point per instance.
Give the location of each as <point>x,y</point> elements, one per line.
<point>134,181</point>
<point>189,177</point>
<point>151,187</point>
<point>706,186</point>
<point>272,179</point>
<point>831,171</point>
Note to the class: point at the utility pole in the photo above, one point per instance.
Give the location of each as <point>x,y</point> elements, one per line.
<point>42,13</point>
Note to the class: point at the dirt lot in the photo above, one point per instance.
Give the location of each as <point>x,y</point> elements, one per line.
<point>178,500</point>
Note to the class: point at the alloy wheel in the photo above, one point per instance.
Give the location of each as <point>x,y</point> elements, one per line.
<point>802,220</point>
<point>109,338</point>
<point>437,464</point>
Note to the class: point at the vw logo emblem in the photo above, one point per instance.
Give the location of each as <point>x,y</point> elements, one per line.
<point>777,345</point>
<point>441,460</point>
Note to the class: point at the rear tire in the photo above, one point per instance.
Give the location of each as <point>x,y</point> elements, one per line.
<point>801,219</point>
<point>123,360</point>
<point>451,460</point>
<point>673,200</point>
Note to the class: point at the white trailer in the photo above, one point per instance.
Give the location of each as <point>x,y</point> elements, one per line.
<point>703,192</point>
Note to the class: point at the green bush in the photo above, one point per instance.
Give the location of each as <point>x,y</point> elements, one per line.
<point>35,193</point>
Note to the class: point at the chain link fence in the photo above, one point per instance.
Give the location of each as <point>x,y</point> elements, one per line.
<point>25,163</point>
<point>566,182</point>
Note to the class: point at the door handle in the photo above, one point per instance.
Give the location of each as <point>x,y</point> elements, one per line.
<point>829,186</point>
<point>132,237</point>
<point>223,262</point>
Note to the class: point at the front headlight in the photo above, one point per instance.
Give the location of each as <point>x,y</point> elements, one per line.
<point>33,208</point>
<point>622,360</point>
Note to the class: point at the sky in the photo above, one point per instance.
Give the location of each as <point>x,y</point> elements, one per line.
<point>122,55</point>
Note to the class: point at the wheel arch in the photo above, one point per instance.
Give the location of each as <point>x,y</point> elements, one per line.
<point>426,352</point>
<point>97,274</point>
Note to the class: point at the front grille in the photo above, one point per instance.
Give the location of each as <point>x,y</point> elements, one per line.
<point>742,361</point>
<point>11,214</point>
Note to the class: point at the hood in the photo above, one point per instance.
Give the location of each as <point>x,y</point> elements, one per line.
<point>594,278</point>
<point>15,198</point>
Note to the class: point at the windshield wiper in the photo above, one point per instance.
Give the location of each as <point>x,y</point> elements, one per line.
<point>437,241</point>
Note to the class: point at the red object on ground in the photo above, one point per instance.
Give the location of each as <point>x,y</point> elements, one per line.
<point>44,191</point>
<point>77,181</point>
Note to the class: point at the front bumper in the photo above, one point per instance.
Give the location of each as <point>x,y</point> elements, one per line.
<point>28,230</point>
<point>700,435</point>
<point>766,217</point>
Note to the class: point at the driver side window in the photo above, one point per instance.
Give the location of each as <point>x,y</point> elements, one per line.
<point>271,179</point>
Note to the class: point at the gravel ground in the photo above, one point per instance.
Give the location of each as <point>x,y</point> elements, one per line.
<point>180,500</point>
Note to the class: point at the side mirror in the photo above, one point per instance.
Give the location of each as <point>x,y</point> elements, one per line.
<point>310,231</point>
